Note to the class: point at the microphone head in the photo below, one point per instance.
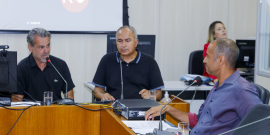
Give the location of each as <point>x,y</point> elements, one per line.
<point>198,81</point>
<point>120,59</point>
<point>48,59</point>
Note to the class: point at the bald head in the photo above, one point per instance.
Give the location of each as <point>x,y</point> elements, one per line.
<point>227,48</point>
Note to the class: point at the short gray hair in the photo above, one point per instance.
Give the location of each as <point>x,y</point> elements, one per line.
<point>39,32</point>
<point>127,27</point>
<point>227,48</point>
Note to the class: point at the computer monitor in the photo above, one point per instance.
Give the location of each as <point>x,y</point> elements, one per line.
<point>146,44</point>
<point>8,78</point>
<point>246,57</point>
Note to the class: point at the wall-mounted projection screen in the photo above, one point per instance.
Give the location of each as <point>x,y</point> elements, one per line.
<point>78,16</point>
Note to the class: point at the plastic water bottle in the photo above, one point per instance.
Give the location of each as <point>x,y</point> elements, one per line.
<point>166,98</point>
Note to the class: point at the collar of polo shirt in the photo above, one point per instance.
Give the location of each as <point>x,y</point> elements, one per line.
<point>136,60</point>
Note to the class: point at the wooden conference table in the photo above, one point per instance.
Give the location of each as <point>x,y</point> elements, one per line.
<point>70,120</point>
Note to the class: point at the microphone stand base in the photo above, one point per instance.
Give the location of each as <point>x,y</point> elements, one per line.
<point>65,101</point>
<point>158,132</point>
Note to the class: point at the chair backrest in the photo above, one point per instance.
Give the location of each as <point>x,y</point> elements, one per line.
<point>263,94</point>
<point>195,65</point>
<point>258,112</point>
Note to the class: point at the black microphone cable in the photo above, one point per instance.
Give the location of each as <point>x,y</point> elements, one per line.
<point>197,79</point>
<point>195,92</point>
<point>193,97</point>
<point>23,110</point>
<point>16,81</point>
<point>94,109</point>
<point>15,96</point>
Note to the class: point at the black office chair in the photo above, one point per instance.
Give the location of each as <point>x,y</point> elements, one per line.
<point>256,113</point>
<point>195,64</point>
<point>263,94</point>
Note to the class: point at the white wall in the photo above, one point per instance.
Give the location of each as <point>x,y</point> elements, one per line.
<point>180,27</point>
<point>263,81</point>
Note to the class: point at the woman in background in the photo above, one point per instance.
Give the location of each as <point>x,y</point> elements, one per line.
<point>216,30</point>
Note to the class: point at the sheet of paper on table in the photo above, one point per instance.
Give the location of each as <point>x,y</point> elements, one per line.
<point>143,127</point>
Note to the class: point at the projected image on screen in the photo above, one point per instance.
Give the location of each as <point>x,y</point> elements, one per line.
<point>62,15</point>
<point>75,5</point>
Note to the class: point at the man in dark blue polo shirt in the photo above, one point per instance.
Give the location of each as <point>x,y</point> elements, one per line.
<point>35,75</point>
<point>227,103</point>
<point>140,71</point>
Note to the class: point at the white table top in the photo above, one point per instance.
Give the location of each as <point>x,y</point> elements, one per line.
<point>169,86</point>
<point>180,85</point>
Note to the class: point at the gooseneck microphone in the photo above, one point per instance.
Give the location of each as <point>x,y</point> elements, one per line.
<point>66,100</point>
<point>198,79</point>
<point>122,89</point>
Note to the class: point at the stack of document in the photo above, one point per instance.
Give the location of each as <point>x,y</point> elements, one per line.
<point>143,127</point>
